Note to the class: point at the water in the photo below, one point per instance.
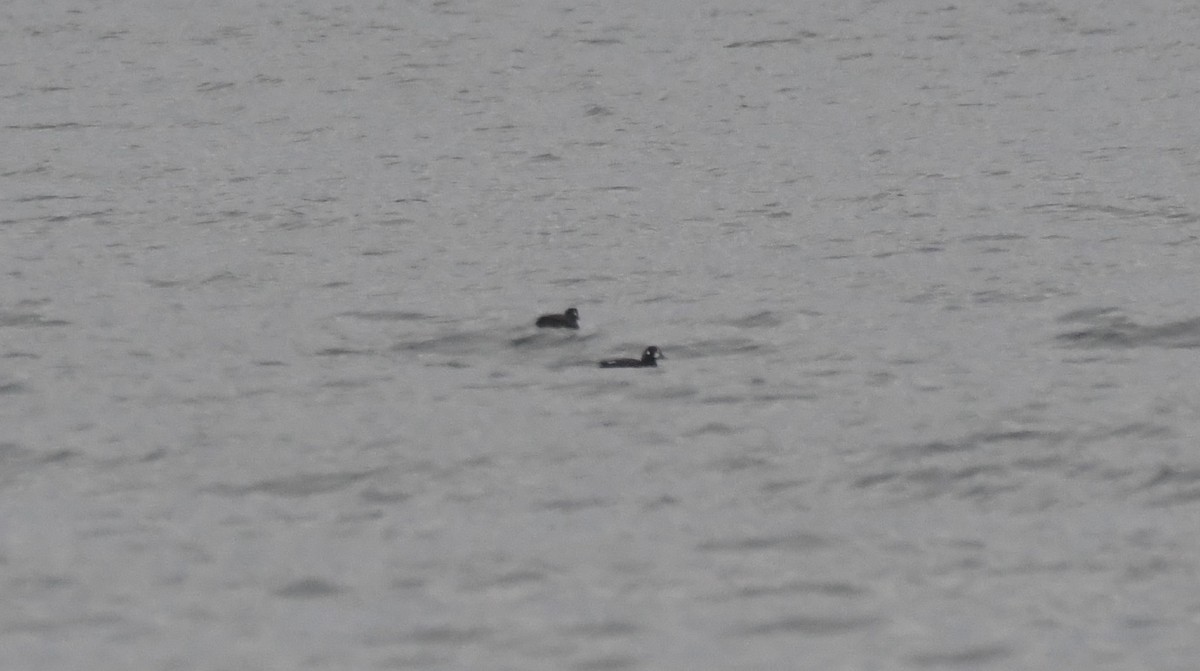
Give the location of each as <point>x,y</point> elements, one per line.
<point>272,399</point>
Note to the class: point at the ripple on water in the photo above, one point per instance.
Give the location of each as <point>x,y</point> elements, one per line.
<point>764,319</point>
<point>720,347</point>
<point>14,455</point>
<point>980,439</point>
<point>448,635</point>
<point>711,428</point>
<point>551,339</point>
<point>571,505</point>
<point>1172,485</point>
<point>607,663</point>
<point>309,588</point>
<point>1107,328</point>
<point>303,484</point>
<point>978,465</point>
<point>451,343</point>
<point>506,580</point>
<point>969,657</point>
<point>797,541</point>
<point>387,316</point>
<point>812,625</point>
<point>14,388</point>
<point>605,629</point>
<point>806,587</point>
<point>29,319</point>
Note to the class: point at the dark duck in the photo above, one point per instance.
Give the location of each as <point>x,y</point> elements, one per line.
<point>567,320</point>
<point>649,359</point>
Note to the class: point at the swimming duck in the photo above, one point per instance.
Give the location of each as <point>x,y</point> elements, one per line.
<point>567,320</point>
<point>649,359</point>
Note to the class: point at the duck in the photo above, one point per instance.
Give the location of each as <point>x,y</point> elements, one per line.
<point>567,320</point>
<point>649,359</point>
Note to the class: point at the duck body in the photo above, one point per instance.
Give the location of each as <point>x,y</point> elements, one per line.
<point>649,359</point>
<point>567,320</point>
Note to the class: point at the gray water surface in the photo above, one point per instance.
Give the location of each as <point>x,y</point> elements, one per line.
<point>271,397</point>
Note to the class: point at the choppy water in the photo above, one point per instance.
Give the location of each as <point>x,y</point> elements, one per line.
<point>271,396</point>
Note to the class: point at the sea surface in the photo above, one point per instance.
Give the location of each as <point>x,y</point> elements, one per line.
<point>925,274</point>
